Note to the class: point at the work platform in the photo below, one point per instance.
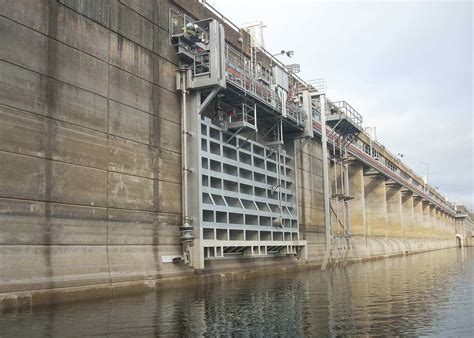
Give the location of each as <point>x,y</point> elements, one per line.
<point>243,80</point>
<point>344,119</point>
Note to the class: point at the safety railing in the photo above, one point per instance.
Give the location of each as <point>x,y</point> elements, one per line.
<point>315,112</point>
<point>264,74</point>
<point>181,24</point>
<point>295,113</point>
<point>318,84</point>
<point>240,73</point>
<point>342,107</point>
<point>178,22</point>
<point>220,16</point>
<point>245,114</point>
<point>359,153</point>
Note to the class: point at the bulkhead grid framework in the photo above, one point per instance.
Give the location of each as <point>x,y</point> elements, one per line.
<point>248,196</point>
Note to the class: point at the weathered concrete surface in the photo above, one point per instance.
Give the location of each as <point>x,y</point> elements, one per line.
<point>439,223</point>
<point>426,220</point>
<point>90,194</point>
<point>376,204</point>
<point>394,210</point>
<point>433,221</point>
<point>90,163</point>
<point>408,214</point>
<point>418,216</point>
<point>89,144</point>
<point>310,197</point>
<point>357,204</point>
<point>362,249</point>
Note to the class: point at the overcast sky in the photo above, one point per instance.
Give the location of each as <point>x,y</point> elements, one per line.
<point>405,66</point>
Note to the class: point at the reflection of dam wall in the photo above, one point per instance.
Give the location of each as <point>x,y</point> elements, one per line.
<point>90,164</point>
<point>401,296</point>
<point>407,290</point>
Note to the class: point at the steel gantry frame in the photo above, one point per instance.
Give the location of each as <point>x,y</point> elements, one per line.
<point>239,173</point>
<point>346,124</point>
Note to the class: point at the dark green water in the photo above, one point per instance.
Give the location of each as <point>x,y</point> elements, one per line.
<point>423,294</point>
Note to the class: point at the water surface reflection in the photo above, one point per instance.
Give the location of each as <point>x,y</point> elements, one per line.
<point>429,293</point>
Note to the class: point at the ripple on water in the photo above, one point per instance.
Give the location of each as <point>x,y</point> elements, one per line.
<point>422,294</point>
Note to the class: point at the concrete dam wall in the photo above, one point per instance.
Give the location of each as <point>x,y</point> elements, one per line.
<point>91,166</point>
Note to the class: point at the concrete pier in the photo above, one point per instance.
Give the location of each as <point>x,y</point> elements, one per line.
<point>375,204</point>
<point>394,210</point>
<point>418,213</point>
<point>357,191</point>
<point>426,219</point>
<point>408,214</point>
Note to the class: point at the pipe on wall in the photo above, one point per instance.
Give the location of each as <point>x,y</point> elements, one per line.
<point>186,228</point>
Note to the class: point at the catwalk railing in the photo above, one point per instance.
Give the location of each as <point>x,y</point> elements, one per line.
<point>344,108</point>
<point>243,74</point>
<point>367,159</point>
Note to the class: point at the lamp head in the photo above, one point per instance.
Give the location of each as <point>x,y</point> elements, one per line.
<point>288,53</point>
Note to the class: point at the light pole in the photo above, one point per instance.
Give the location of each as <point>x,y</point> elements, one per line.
<point>288,53</point>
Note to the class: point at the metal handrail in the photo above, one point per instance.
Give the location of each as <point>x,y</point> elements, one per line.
<point>178,22</point>
<point>220,15</point>
<point>345,108</point>
<point>297,114</point>
<point>240,73</point>
<point>403,164</point>
<point>383,168</point>
<point>245,114</point>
